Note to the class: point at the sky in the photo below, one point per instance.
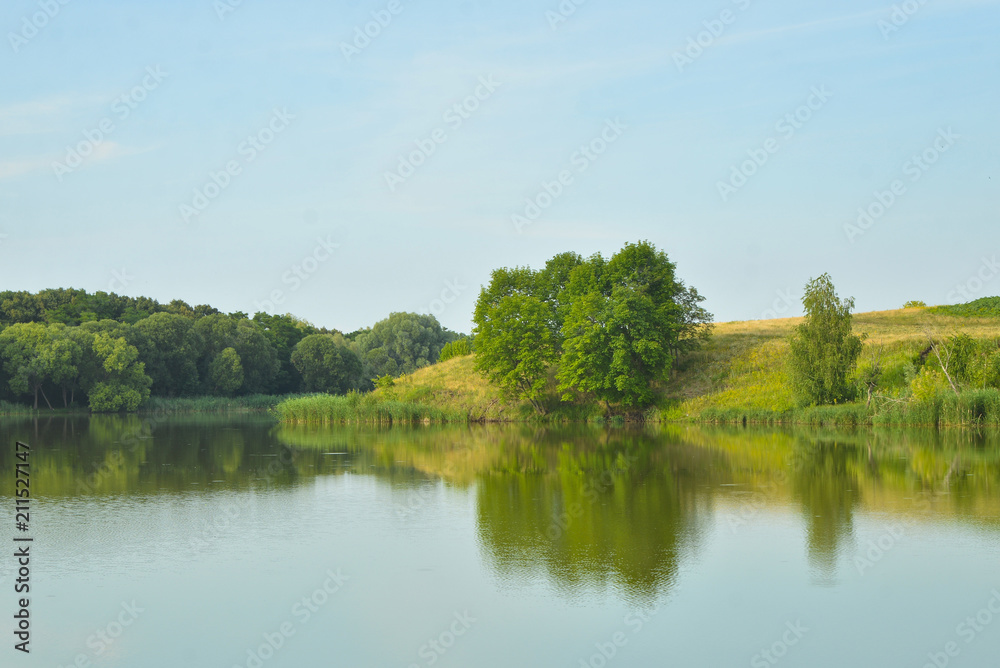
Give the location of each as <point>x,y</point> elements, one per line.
<point>344,160</point>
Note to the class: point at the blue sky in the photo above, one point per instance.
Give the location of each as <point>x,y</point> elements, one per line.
<point>307,215</point>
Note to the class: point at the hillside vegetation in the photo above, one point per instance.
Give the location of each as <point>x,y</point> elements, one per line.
<point>741,370</point>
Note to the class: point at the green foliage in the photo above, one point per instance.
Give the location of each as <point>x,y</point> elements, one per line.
<point>824,352</point>
<point>64,340</point>
<point>928,385</point>
<point>402,343</point>
<point>987,307</point>
<point>120,381</point>
<point>610,329</point>
<point>913,303</point>
<point>629,319</point>
<point>355,407</point>
<point>172,354</point>
<point>225,373</point>
<point>516,346</point>
<point>459,348</point>
<point>327,364</point>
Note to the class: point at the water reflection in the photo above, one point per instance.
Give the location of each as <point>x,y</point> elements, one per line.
<point>582,509</point>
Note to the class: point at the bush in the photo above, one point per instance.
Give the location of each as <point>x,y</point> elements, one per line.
<point>459,348</point>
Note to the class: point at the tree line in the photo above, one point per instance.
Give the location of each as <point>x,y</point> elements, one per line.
<point>62,347</point>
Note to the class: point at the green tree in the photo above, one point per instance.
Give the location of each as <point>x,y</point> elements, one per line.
<point>515,345</point>
<point>225,373</point>
<point>171,358</point>
<point>824,350</point>
<point>402,343</point>
<point>628,321</point>
<point>327,364</point>
<point>29,358</point>
<point>121,382</point>
<point>284,332</point>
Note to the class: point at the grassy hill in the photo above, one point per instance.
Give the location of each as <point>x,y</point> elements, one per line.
<point>743,367</point>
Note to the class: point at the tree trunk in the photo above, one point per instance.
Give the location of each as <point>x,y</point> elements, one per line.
<point>46,399</point>
<point>36,397</point>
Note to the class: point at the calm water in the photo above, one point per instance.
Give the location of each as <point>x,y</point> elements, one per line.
<point>211,541</point>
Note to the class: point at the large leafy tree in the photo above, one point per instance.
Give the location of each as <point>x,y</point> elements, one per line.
<point>402,343</point>
<point>515,345</point>
<point>121,380</point>
<point>172,354</point>
<point>225,374</point>
<point>284,332</point>
<point>327,364</point>
<point>628,321</point>
<point>824,349</point>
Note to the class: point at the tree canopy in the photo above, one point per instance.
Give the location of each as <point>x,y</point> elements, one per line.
<point>609,329</point>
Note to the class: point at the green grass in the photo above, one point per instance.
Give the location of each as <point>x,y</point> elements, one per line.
<point>743,371</point>
<point>356,408</point>
<point>8,408</point>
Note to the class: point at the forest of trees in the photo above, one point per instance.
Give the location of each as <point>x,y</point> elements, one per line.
<point>66,347</point>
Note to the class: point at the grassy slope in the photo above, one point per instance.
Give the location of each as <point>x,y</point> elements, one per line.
<point>743,366</point>
<point>453,385</point>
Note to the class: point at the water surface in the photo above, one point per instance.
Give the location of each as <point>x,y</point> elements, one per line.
<point>232,541</point>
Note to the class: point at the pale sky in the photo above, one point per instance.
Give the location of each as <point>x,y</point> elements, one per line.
<point>841,104</point>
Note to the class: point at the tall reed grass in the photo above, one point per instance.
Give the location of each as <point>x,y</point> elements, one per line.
<point>357,408</point>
